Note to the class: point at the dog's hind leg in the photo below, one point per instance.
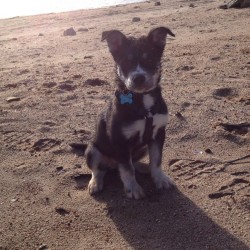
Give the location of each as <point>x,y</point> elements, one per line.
<point>94,159</point>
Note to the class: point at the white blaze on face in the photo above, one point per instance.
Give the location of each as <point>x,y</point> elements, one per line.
<point>138,71</point>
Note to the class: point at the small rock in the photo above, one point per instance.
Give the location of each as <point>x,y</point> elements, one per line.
<point>49,84</point>
<point>215,58</point>
<point>13,99</point>
<point>191,5</point>
<point>59,169</point>
<point>136,19</point>
<point>193,186</point>
<point>25,71</point>
<point>83,29</point>
<point>40,34</point>
<point>224,92</point>
<point>67,87</point>
<point>95,82</point>
<point>157,3</point>
<point>179,115</point>
<point>88,57</point>
<point>185,68</point>
<point>77,76</point>
<point>61,211</point>
<point>69,32</point>
<point>208,151</point>
<point>43,247</point>
<point>78,166</point>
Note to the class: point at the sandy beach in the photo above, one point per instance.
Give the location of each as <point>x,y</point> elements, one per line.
<point>53,87</point>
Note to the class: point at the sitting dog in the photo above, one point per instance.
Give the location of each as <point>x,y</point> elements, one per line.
<point>134,122</point>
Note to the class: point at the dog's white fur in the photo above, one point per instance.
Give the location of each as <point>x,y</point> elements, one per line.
<point>159,120</point>
<point>132,188</point>
<point>148,101</point>
<point>132,129</point>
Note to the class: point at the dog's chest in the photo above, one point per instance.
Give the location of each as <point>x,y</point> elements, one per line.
<point>151,122</point>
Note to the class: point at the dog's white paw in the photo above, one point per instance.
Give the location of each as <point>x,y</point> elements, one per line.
<point>161,180</point>
<point>95,185</point>
<point>134,191</point>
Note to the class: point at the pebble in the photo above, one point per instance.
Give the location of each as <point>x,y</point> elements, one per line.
<point>67,87</point>
<point>95,82</point>
<point>62,211</point>
<point>69,32</point>
<point>83,29</point>
<point>13,99</point>
<point>78,166</point>
<point>43,247</point>
<point>49,84</point>
<point>136,19</point>
<point>208,151</point>
<point>179,115</point>
<point>58,169</point>
<point>157,3</point>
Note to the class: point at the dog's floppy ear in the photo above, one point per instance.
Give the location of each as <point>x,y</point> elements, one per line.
<point>114,38</point>
<point>158,36</point>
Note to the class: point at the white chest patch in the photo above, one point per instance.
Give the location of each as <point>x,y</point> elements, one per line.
<point>159,120</point>
<point>132,129</point>
<point>148,101</point>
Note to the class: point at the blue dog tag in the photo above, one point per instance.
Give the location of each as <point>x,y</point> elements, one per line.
<point>126,98</point>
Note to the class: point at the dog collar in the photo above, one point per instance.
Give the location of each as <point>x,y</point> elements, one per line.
<point>126,98</point>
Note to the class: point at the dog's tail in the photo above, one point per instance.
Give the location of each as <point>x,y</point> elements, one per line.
<point>79,146</point>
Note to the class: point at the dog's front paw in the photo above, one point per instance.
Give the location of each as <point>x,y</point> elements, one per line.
<point>161,180</point>
<point>134,191</point>
<point>95,185</point>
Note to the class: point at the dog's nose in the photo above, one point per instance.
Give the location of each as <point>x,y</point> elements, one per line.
<point>139,79</point>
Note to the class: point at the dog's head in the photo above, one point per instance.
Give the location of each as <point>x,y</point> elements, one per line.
<point>138,61</point>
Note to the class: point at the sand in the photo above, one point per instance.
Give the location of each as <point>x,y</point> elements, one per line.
<point>61,83</point>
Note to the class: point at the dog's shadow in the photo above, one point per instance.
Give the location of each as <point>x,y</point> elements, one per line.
<point>163,220</point>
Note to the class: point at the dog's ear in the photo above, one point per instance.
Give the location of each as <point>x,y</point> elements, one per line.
<point>158,36</point>
<point>114,38</point>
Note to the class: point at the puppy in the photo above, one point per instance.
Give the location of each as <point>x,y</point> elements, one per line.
<point>134,122</point>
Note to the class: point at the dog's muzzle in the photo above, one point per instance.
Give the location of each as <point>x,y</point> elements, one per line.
<point>139,80</point>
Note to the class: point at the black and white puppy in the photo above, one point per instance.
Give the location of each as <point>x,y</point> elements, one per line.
<point>134,122</point>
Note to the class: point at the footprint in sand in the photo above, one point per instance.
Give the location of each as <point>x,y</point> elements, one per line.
<point>17,140</point>
<point>230,188</point>
<point>67,86</point>
<point>82,180</point>
<point>45,144</point>
<point>239,129</point>
<point>95,82</point>
<point>191,169</point>
<point>225,93</point>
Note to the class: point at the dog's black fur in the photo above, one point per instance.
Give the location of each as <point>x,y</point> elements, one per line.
<point>134,122</point>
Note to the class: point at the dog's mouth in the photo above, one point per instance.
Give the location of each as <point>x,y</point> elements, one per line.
<point>140,88</point>
<point>139,81</point>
